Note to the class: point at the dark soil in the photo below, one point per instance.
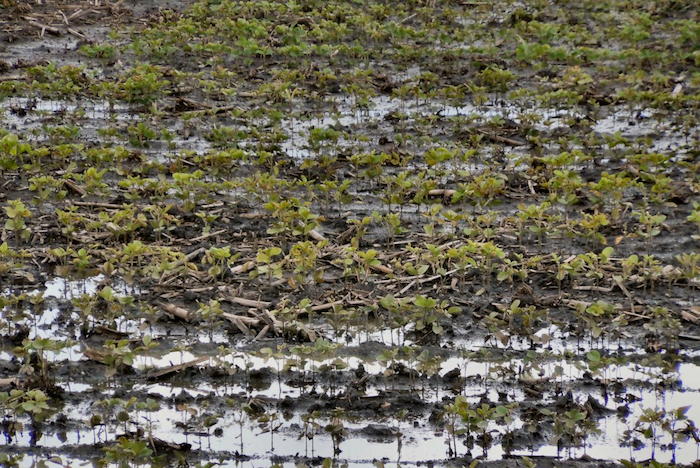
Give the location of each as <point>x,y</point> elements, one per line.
<point>307,233</point>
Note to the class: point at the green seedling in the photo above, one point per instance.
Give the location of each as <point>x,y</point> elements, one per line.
<point>17,216</point>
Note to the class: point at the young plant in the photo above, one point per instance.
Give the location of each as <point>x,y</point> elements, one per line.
<point>650,225</point>
<point>219,258</point>
<point>38,349</point>
<point>266,264</point>
<point>210,312</point>
<point>17,215</point>
<point>33,403</point>
<point>12,152</point>
<point>129,452</point>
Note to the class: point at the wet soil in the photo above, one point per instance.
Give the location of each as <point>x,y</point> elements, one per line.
<point>310,234</point>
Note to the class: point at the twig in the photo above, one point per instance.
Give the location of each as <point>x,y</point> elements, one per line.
<point>76,14</point>
<point>44,27</point>
<point>245,323</point>
<point>253,215</point>
<point>116,6</point>
<point>407,287</point>
<point>107,206</point>
<point>632,314</point>
<point>249,302</point>
<point>326,306</point>
<point>175,311</point>
<point>690,316</point>
<point>205,236</point>
<point>500,139</point>
<point>9,381</point>
<point>618,282</point>
<point>441,193</point>
<point>531,186</point>
<point>213,110</point>
<point>212,205</point>
<point>262,333</point>
<point>382,269</point>
<point>177,368</point>
<point>173,266</point>
<point>239,323</point>
<point>77,34</point>
<point>593,288</point>
<point>74,187</point>
<point>247,266</point>
<point>101,329</point>
<point>408,18</point>
<point>317,236</point>
<point>575,304</point>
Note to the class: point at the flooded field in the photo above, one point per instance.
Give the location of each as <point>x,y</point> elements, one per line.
<point>349,234</point>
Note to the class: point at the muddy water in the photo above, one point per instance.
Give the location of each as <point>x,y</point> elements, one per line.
<point>413,440</point>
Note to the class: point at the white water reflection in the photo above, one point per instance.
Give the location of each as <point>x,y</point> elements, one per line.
<point>369,440</point>
<point>65,288</point>
<point>665,137</point>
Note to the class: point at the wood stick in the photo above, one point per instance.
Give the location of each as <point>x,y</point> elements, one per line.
<point>77,34</point>
<point>72,186</point>
<point>574,304</point>
<point>94,354</point>
<point>441,193</point>
<point>326,306</point>
<point>238,323</point>
<point>212,205</point>
<point>247,321</point>
<point>77,14</point>
<point>243,268</point>
<point>689,316</point>
<point>45,27</point>
<point>436,277</point>
<point>270,319</point>
<point>101,329</point>
<point>262,333</point>
<point>253,215</point>
<point>178,312</point>
<point>622,287</point>
<point>407,287</point>
<point>177,368</point>
<point>107,206</point>
<point>243,323</point>
<point>207,108</point>
<point>173,266</point>
<point>593,288</point>
<point>205,236</point>
<point>632,314</point>
<point>317,236</point>
<point>249,302</point>
<point>500,139</point>
<point>408,18</point>
<point>382,269</point>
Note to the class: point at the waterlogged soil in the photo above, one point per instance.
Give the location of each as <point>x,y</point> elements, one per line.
<point>349,234</point>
